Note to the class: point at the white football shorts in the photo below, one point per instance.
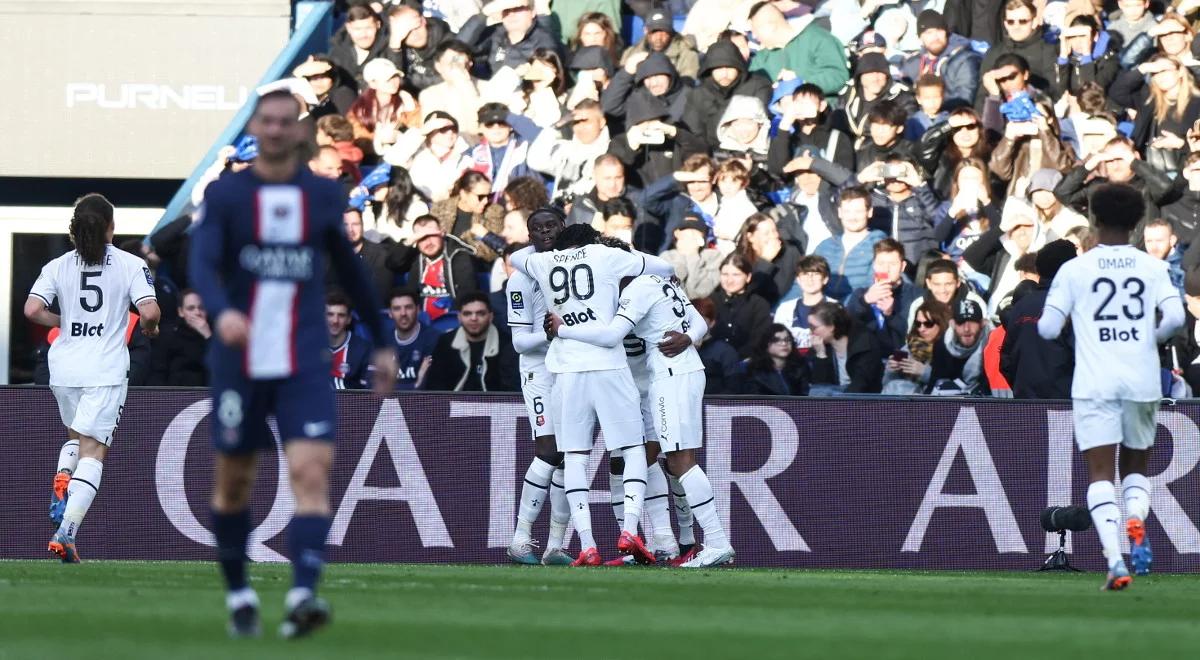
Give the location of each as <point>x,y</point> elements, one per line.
<point>1101,422</point>
<point>677,404</point>
<point>647,412</point>
<point>580,399</point>
<point>536,387</point>
<point>91,411</point>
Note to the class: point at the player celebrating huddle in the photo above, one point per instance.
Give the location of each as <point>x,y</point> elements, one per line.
<point>580,279</point>
<point>258,259</point>
<point>94,285</point>
<point>655,308</point>
<point>1112,294</point>
<point>526,311</point>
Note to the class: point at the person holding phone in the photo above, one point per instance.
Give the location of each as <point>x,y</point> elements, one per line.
<point>968,212</point>
<point>882,307</point>
<point>907,370</point>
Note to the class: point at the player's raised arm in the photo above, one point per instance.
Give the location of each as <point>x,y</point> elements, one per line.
<point>520,258</point>
<point>657,265</point>
<point>605,336</point>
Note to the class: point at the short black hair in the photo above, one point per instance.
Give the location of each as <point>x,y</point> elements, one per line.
<point>473,297</point>
<point>1117,206</point>
<point>404,292</point>
<point>887,112</point>
<point>1011,59</point>
<point>454,45</point>
<point>336,297</point>
<point>618,206</point>
<point>941,266</point>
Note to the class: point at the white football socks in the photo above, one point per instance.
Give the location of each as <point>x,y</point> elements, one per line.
<point>700,497</point>
<point>84,484</point>
<point>657,506</point>
<point>634,483</point>
<point>1136,490</point>
<point>1106,516</point>
<point>616,495</point>
<point>575,476</point>
<point>560,511</point>
<point>534,493</point>
<point>68,457</point>
<point>683,512</point>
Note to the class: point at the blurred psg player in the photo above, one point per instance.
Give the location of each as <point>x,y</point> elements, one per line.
<point>258,260</point>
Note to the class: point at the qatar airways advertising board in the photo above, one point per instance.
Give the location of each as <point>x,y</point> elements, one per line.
<point>799,482</point>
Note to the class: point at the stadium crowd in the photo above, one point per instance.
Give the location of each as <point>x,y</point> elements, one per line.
<point>860,196</point>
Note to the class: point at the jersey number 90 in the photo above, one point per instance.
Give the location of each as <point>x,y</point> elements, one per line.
<point>578,283</point>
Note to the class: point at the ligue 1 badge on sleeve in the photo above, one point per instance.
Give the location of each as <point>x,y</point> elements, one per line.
<point>517,300</point>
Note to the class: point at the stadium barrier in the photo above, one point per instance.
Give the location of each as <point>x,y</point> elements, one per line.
<point>864,483</point>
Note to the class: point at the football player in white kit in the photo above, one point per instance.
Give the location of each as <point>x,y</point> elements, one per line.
<point>580,280</point>
<point>94,284</point>
<point>653,307</point>
<point>544,478</point>
<point>1112,295</point>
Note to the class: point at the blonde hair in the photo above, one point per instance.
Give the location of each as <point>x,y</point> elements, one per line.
<point>1185,91</point>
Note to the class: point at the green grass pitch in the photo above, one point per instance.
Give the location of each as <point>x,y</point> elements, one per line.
<point>175,610</point>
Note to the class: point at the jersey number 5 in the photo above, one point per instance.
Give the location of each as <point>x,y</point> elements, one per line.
<point>85,288</point>
<point>1138,289</point>
<point>569,284</point>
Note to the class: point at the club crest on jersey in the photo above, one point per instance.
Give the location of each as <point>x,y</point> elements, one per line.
<point>516,300</point>
<point>541,420</point>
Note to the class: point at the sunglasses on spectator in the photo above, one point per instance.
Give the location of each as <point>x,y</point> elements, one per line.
<point>318,76</point>
<point>480,196</point>
<point>513,10</point>
<point>968,127</point>
<point>925,324</point>
<point>1018,21</point>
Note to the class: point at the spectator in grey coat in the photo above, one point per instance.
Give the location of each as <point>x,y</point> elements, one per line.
<point>697,265</point>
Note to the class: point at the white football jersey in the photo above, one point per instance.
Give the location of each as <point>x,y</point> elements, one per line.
<point>1111,294</point>
<point>581,286</point>
<point>527,307</point>
<point>655,305</point>
<point>94,309</point>
<point>635,353</point>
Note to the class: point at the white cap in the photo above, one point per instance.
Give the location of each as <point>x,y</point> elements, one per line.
<point>379,70</point>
